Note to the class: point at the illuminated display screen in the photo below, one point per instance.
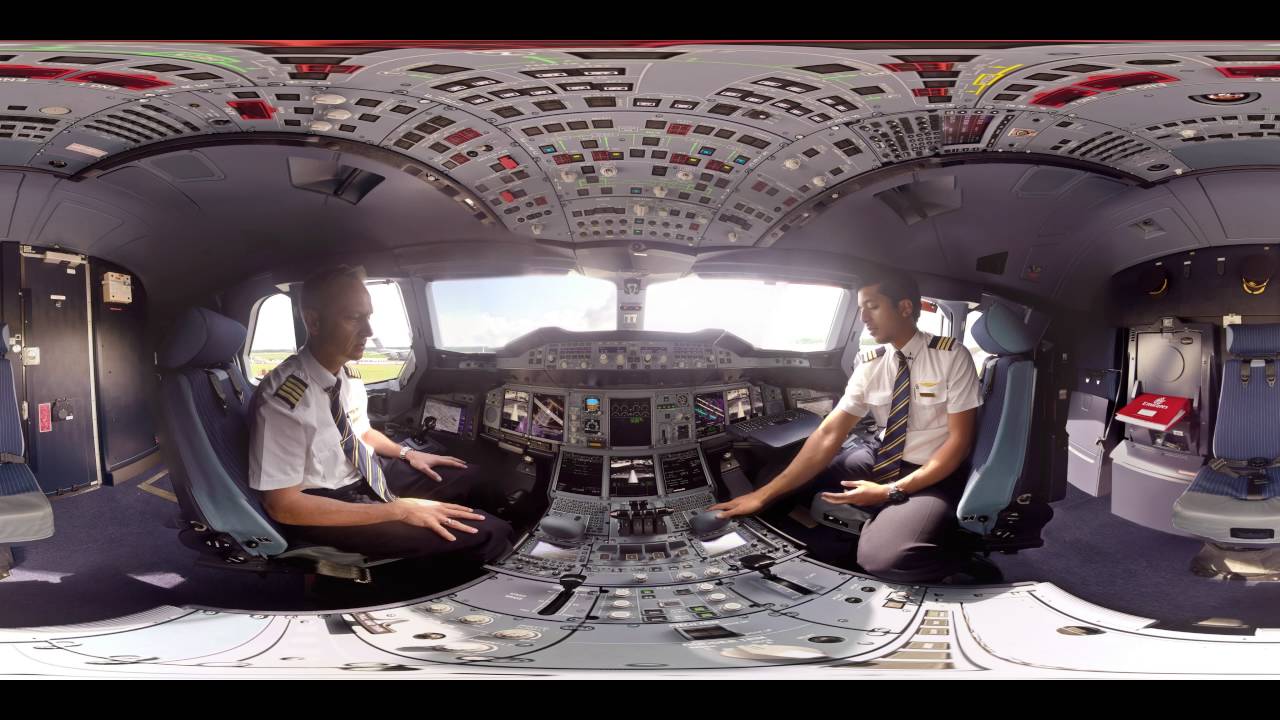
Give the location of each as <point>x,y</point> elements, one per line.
<point>817,406</point>
<point>591,404</point>
<point>515,411</point>
<point>548,416</point>
<point>682,471</point>
<point>708,414</point>
<point>630,422</point>
<point>580,474</point>
<point>738,404</point>
<point>964,129</point>
<point>632,477</point>
<point>723,544</point>
<point>449,417</point>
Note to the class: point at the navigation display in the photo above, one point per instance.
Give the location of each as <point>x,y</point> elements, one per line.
<point>708,414</point>
<point>630,422</point>
<point>449,417</point>
<point>515,411</point>
<point>632,477</point>
<point>548,417</point>
<point>738,404</point>
<point>580,474</point>
<point>683,471</point>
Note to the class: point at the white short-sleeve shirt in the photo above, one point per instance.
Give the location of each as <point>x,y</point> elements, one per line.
<point>292,444</point>
<point>942,382</point>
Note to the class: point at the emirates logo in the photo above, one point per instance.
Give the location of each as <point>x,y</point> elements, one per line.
<point>1158,403</point>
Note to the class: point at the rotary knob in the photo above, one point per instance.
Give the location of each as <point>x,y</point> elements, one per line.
<point>648,357</point>
<point>518,634</point>
<point>713,572</point>
<point>620,359</point>
<point>706,587</point>
<point>619,615</point>
<point>564,364</point>
<point>603,358</point>
<point>791,163</point>
<point>439,608</point>
<point>717,597</point>
<point>583,364</point>
<point>686,575</point>
<point>475,619</point>
<point>622,592</point>
<point>621,603</point>
<point>731,607</point>
<point>640,577</point>
<point>662,359</point>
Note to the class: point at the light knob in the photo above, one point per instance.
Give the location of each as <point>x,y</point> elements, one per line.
<point>791,163</point>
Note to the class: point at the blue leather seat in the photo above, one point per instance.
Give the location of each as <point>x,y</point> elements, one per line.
<point>25,512</point>
<point>204,400</point>
<point>1000,449</point>
<point>1235,499</point>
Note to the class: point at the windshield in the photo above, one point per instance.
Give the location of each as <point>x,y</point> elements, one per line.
<point>483,315</point>
<point>769,315</point>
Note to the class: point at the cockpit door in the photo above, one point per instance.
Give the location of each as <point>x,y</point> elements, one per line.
<point>57,370</point>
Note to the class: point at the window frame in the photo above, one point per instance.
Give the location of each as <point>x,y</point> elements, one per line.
<point>254,315</point>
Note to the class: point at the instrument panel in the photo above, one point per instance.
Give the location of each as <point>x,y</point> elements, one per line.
<point>544,417</point>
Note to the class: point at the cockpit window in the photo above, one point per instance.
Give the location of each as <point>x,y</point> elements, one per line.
<point>933,320</point>
<point>769,315</point>
<point>385,353</point>
<point>273,338</point>
<point>482,315</point>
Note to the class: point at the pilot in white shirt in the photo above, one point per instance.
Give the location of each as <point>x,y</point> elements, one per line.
<point>922,392</point>
<point>943,381</point>
<point>328,477</point>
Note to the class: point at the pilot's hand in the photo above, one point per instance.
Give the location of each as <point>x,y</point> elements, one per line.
<point>423,462</point>
<point>438,516</point>
<point>862,493</point>
<point>748,504</point>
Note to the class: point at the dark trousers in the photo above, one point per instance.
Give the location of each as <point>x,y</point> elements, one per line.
<point>401,540</point>
<point>912,542</point>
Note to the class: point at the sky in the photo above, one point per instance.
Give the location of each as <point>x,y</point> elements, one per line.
<point>274,330</point>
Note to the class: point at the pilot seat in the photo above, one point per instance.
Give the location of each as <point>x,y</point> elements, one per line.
<point>995,510</point>
<point>204,402</point>
<point>1234,501</point>
<point>25,512</point>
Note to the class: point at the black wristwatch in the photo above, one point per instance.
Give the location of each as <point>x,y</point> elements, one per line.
<point>896,496</point>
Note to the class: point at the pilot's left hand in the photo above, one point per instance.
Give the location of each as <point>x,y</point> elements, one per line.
<point>423,462</point>
<point>862,493</point>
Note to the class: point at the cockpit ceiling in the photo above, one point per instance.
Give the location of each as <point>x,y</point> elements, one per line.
<point>690,146</point>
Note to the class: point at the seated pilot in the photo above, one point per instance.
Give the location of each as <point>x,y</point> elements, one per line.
<point>923,391</point>
<point>328,476</point>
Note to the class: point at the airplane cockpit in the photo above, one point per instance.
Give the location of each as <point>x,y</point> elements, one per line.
<point>625,285</point>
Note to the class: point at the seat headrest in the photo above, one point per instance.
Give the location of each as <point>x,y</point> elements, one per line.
<point>1253,340</point>
<point>1001,332</point>
<point>199,338</point>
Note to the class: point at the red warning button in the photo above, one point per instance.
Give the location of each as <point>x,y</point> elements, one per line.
<point>46,417</point>
<point>508,162</point>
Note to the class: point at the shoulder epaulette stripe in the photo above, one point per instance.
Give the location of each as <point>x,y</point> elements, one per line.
<point>870,355</point>
<point>352,372</point>
<point>942,343</point>
<point>291,390</point>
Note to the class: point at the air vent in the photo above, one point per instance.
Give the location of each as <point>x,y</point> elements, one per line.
<point>1082,68</point>
<point>828,68</point>
<point>346,183</point>
<point>141,124</point>
<point>439,69</point>
<point>161,68</point>
<point>625,55</point>
<point>993,264</point>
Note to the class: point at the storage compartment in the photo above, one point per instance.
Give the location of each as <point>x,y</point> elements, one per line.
<point>1088,467</point>
<point>1146,481</point>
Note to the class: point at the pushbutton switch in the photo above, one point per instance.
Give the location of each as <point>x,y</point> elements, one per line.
<point>475,619</point>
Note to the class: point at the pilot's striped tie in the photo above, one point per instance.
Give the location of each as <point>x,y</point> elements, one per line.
<point>889,457</point>
<point>357,452</point>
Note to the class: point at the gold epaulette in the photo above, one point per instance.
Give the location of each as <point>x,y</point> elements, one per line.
<point>870,355</point>
<point>943,343</point>
<point>351,372</point>
<point>290,391</point>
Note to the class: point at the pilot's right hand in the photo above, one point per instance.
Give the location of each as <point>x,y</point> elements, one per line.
<point>438,516</point>
<point>749,504</point>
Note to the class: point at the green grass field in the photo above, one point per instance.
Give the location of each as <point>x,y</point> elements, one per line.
<point>374,368</point>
